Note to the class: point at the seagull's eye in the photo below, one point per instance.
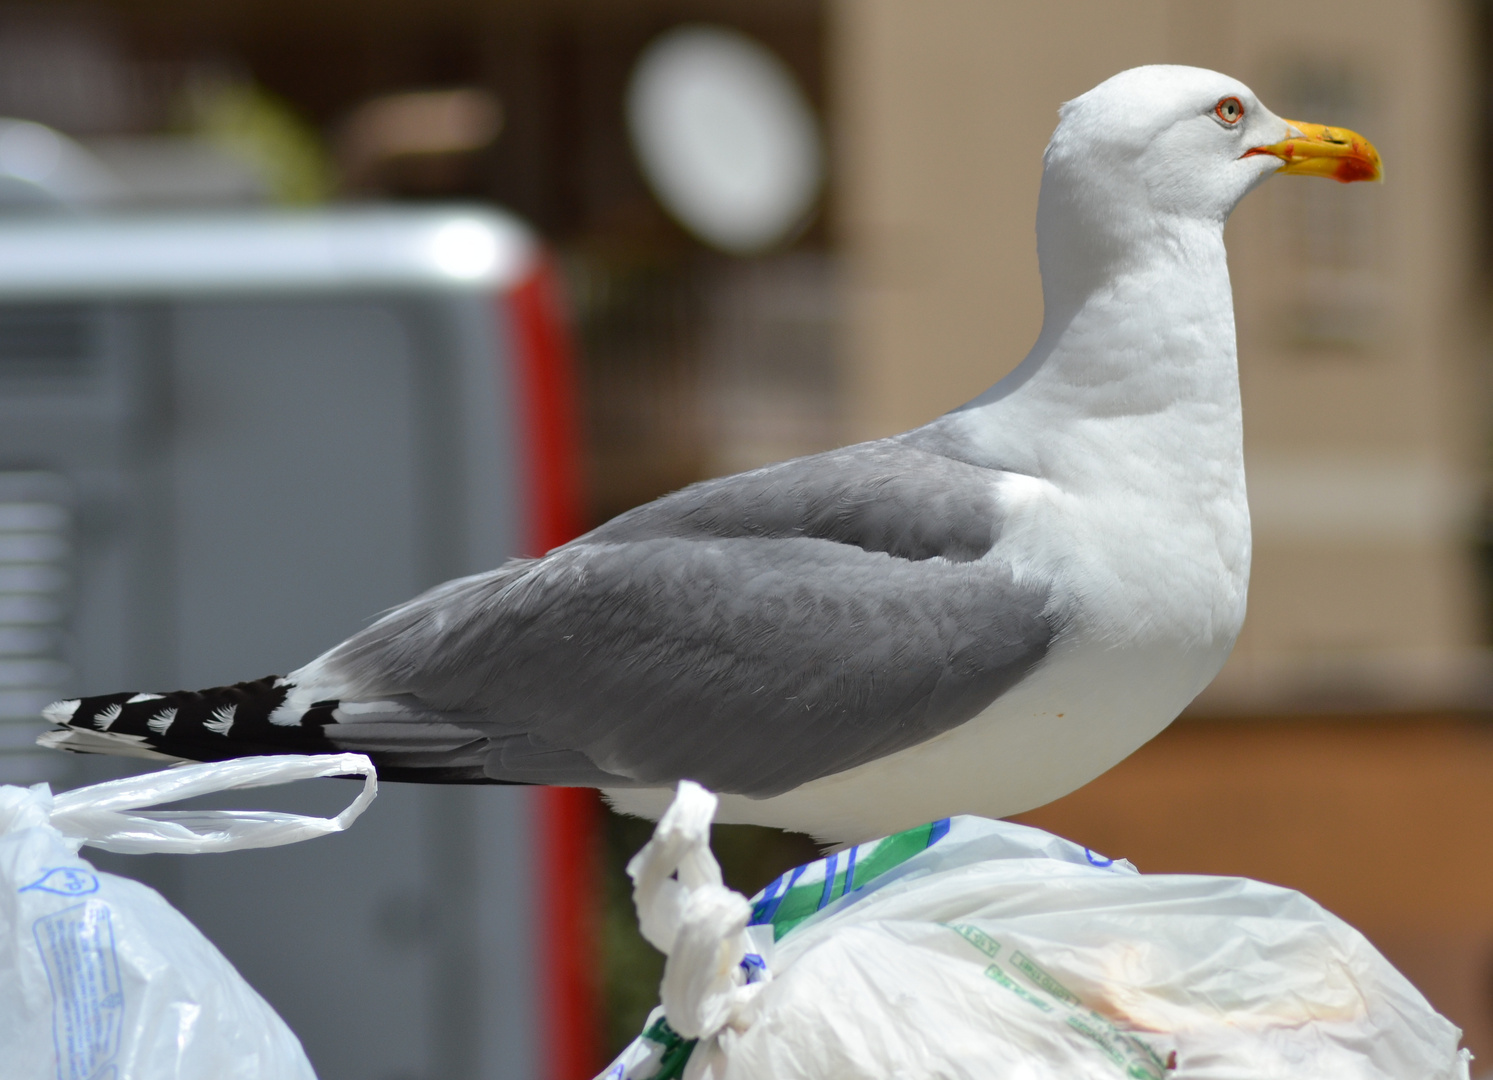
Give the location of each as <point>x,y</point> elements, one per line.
<point>1230,110</point>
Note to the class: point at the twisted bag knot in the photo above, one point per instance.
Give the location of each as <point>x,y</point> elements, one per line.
<point>688,914</point>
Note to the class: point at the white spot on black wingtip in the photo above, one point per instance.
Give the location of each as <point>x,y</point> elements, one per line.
<point>161,722</point>
<point>60,712</point>
<point>144,697</point>
<point>107,717</point>
<point>221,721</point>
<point>290,711</point>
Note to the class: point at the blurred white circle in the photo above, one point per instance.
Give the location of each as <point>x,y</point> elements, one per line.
<point>465,250</point>
<point>725,137</point>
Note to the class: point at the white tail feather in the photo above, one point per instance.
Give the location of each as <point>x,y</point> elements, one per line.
<point>60,712</point>
<point>119,744</point>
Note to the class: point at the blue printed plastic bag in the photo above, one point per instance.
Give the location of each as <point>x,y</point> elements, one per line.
<point>970,949</point>
<point>100,978</point>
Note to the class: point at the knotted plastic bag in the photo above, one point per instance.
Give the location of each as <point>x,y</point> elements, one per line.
<point>970,949</point>
<point>100,978</point>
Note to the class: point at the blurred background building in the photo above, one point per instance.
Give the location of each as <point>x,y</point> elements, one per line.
<point>1345,749</point>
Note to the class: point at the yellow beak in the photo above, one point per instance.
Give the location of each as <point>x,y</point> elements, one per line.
<point>1344,155</point>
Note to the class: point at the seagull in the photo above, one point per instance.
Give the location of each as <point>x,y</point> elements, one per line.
<point>976,616</point>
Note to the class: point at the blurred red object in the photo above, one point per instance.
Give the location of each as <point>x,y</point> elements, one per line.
<point>549,403</point>
<point>570,888</point>
<point>568,819</point>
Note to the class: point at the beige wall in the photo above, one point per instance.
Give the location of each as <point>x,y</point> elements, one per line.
<point>1363,413</point>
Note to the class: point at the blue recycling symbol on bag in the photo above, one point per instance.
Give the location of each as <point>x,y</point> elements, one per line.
<point>65,881</point>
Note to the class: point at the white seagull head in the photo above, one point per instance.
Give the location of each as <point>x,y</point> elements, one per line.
<point>1157,151</point>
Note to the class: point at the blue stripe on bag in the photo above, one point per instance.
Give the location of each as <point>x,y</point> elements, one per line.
<point>769,906</point>
<point>829,881</point>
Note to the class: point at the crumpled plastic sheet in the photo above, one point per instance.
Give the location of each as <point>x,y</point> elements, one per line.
<point>100,978</point>
<point>981,949</point>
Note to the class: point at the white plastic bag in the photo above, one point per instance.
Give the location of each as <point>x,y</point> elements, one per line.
<point>100,978</point>
<point>971,948</point>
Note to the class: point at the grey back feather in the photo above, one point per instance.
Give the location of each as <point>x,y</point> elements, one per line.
<point>880,496</point>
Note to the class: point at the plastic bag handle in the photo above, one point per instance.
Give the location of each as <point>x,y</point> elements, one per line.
<point>98,815</point>
<point>688,914</point>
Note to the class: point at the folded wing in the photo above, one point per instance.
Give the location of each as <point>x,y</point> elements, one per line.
<point>751,633</point>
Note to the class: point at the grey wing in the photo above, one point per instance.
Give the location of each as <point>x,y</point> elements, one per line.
<point>752,633</point>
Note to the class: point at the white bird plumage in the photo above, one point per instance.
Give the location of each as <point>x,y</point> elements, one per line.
<point>977,616</point>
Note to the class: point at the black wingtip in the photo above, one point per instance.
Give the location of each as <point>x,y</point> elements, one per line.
<point>199,725</point>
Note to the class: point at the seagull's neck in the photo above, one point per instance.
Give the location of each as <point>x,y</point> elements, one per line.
<point>1139,340</point>
<point>1126,419</point>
